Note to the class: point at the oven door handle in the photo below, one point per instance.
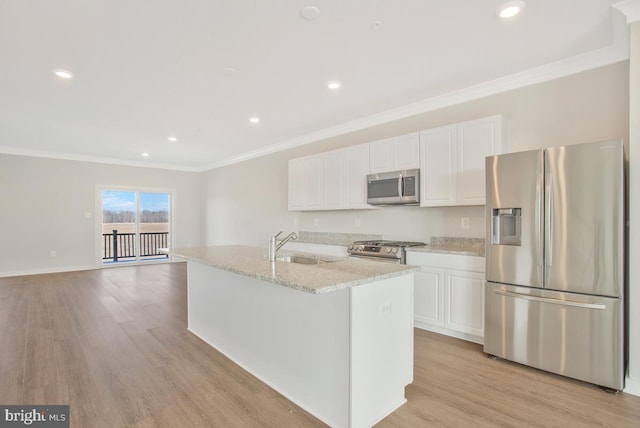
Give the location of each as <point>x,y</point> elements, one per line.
<point>377,259</point>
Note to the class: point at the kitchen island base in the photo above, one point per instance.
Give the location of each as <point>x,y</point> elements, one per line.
<point>344,356</point>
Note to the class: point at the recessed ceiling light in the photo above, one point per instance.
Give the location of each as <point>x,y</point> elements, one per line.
<point>510,9</point>
<point>310,12</point>
<point>63,74</point>
<point>254,119</point>
<point>333,85</point>
<point>145,155</point>
<point>228,70</point>
<point>172,139</point>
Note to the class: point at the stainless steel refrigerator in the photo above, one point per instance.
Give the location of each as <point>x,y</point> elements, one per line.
<point>554,296</point>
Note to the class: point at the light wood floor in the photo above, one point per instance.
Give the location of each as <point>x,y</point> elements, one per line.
<point>113,344</point>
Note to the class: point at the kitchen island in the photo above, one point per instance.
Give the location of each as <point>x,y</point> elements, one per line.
<point>335,337</point>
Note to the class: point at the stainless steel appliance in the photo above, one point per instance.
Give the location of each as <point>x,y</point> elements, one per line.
<point>554,296</point>
<point>394,188</point>
<point>381,250</point>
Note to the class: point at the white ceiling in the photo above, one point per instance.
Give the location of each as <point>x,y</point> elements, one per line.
<point>149,69</point>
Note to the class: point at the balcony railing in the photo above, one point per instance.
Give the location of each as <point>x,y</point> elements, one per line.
<point>121,246</point>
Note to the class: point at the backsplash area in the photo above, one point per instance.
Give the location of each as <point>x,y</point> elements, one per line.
<point>329,238</point>
<point>437,244</point>
<point>403,223</point>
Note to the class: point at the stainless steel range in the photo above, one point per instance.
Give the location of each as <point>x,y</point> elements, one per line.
<point>380,250</point>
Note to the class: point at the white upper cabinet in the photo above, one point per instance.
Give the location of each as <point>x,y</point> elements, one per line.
<point>296,187</point>
<point>452,161</point>
<point>334,180</point>
<point>395,153</point>
<point>438,166</point>
<point>306,183</point>
<point>476,140</point>
<point>355,176</point>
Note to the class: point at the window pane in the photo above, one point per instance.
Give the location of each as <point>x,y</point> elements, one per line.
<point>154,224</point>
<point>118,226</point>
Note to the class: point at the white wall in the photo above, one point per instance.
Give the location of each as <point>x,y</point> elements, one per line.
<point>247,202</point>
<point>45,202</point>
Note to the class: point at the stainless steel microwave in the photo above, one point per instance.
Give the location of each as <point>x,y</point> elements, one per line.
<point>394,188</point>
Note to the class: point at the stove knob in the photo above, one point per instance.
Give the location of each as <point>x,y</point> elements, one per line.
<point>361,248</point>
<point>350,247</point>
<point>395,250</point>
<point>388,250</point>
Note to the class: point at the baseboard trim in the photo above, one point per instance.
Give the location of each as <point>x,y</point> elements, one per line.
<point>46,270</point>
<point>445,331</point>
<point>81,268</point>
<point>632,387</point>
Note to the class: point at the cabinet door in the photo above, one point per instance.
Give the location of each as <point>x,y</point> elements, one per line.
<point>355,176</point>
<point>313,182</point>
<point>306,183</point>
<point>333,180</point>
<point>427,296</point>
<point>438,167</point>
<point>476,140</point>
<point>381,155</point>
<point>296,178</point>
<point>464,301</point>
<point>407,151</point>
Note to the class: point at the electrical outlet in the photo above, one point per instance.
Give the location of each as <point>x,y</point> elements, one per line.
<point>385,308</point>
<point>464,223</point>
<point>316,222</point>
<point>53,253</point>
<point>358,222</point>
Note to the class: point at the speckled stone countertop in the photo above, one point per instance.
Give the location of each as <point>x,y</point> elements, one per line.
<point>448,245</point>
<point>341,272</point>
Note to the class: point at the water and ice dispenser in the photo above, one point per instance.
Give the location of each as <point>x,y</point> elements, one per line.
<point>506,227</point>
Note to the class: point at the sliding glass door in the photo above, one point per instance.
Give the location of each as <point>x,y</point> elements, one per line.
<point>135,226</point>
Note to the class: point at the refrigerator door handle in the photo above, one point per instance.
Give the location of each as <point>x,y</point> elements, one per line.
<point>550,300</point>
<point>549,220</point>
<point>539,238</point>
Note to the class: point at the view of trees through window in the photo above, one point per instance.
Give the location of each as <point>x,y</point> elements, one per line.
<point>146,216</point>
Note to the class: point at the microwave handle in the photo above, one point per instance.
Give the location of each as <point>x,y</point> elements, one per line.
<point>401,186</point>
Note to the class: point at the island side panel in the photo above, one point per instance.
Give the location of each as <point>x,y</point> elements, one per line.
<point>294,341</point>
<point>381,348</point>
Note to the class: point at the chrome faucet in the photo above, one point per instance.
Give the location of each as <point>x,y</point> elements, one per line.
<point>274,245</point>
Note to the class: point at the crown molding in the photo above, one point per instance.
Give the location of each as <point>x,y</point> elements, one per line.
<point>616,52</point>
<point>7,150</point>
<point>630,8</point>
<point>622,13</point>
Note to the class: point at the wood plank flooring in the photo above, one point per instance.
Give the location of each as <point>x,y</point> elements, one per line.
<point>113,344</point>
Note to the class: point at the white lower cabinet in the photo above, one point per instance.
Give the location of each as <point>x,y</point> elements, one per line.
<point>464,302</point>
<point>427,296</point>
<point>449,294</point>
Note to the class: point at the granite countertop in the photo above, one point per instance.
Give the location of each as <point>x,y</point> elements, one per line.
<point>448,245</point>
<point>340,273</point>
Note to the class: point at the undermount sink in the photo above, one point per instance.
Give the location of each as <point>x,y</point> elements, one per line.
<point>303,260</point>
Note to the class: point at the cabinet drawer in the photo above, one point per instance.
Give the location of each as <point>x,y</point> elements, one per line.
<point>446,261</point>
